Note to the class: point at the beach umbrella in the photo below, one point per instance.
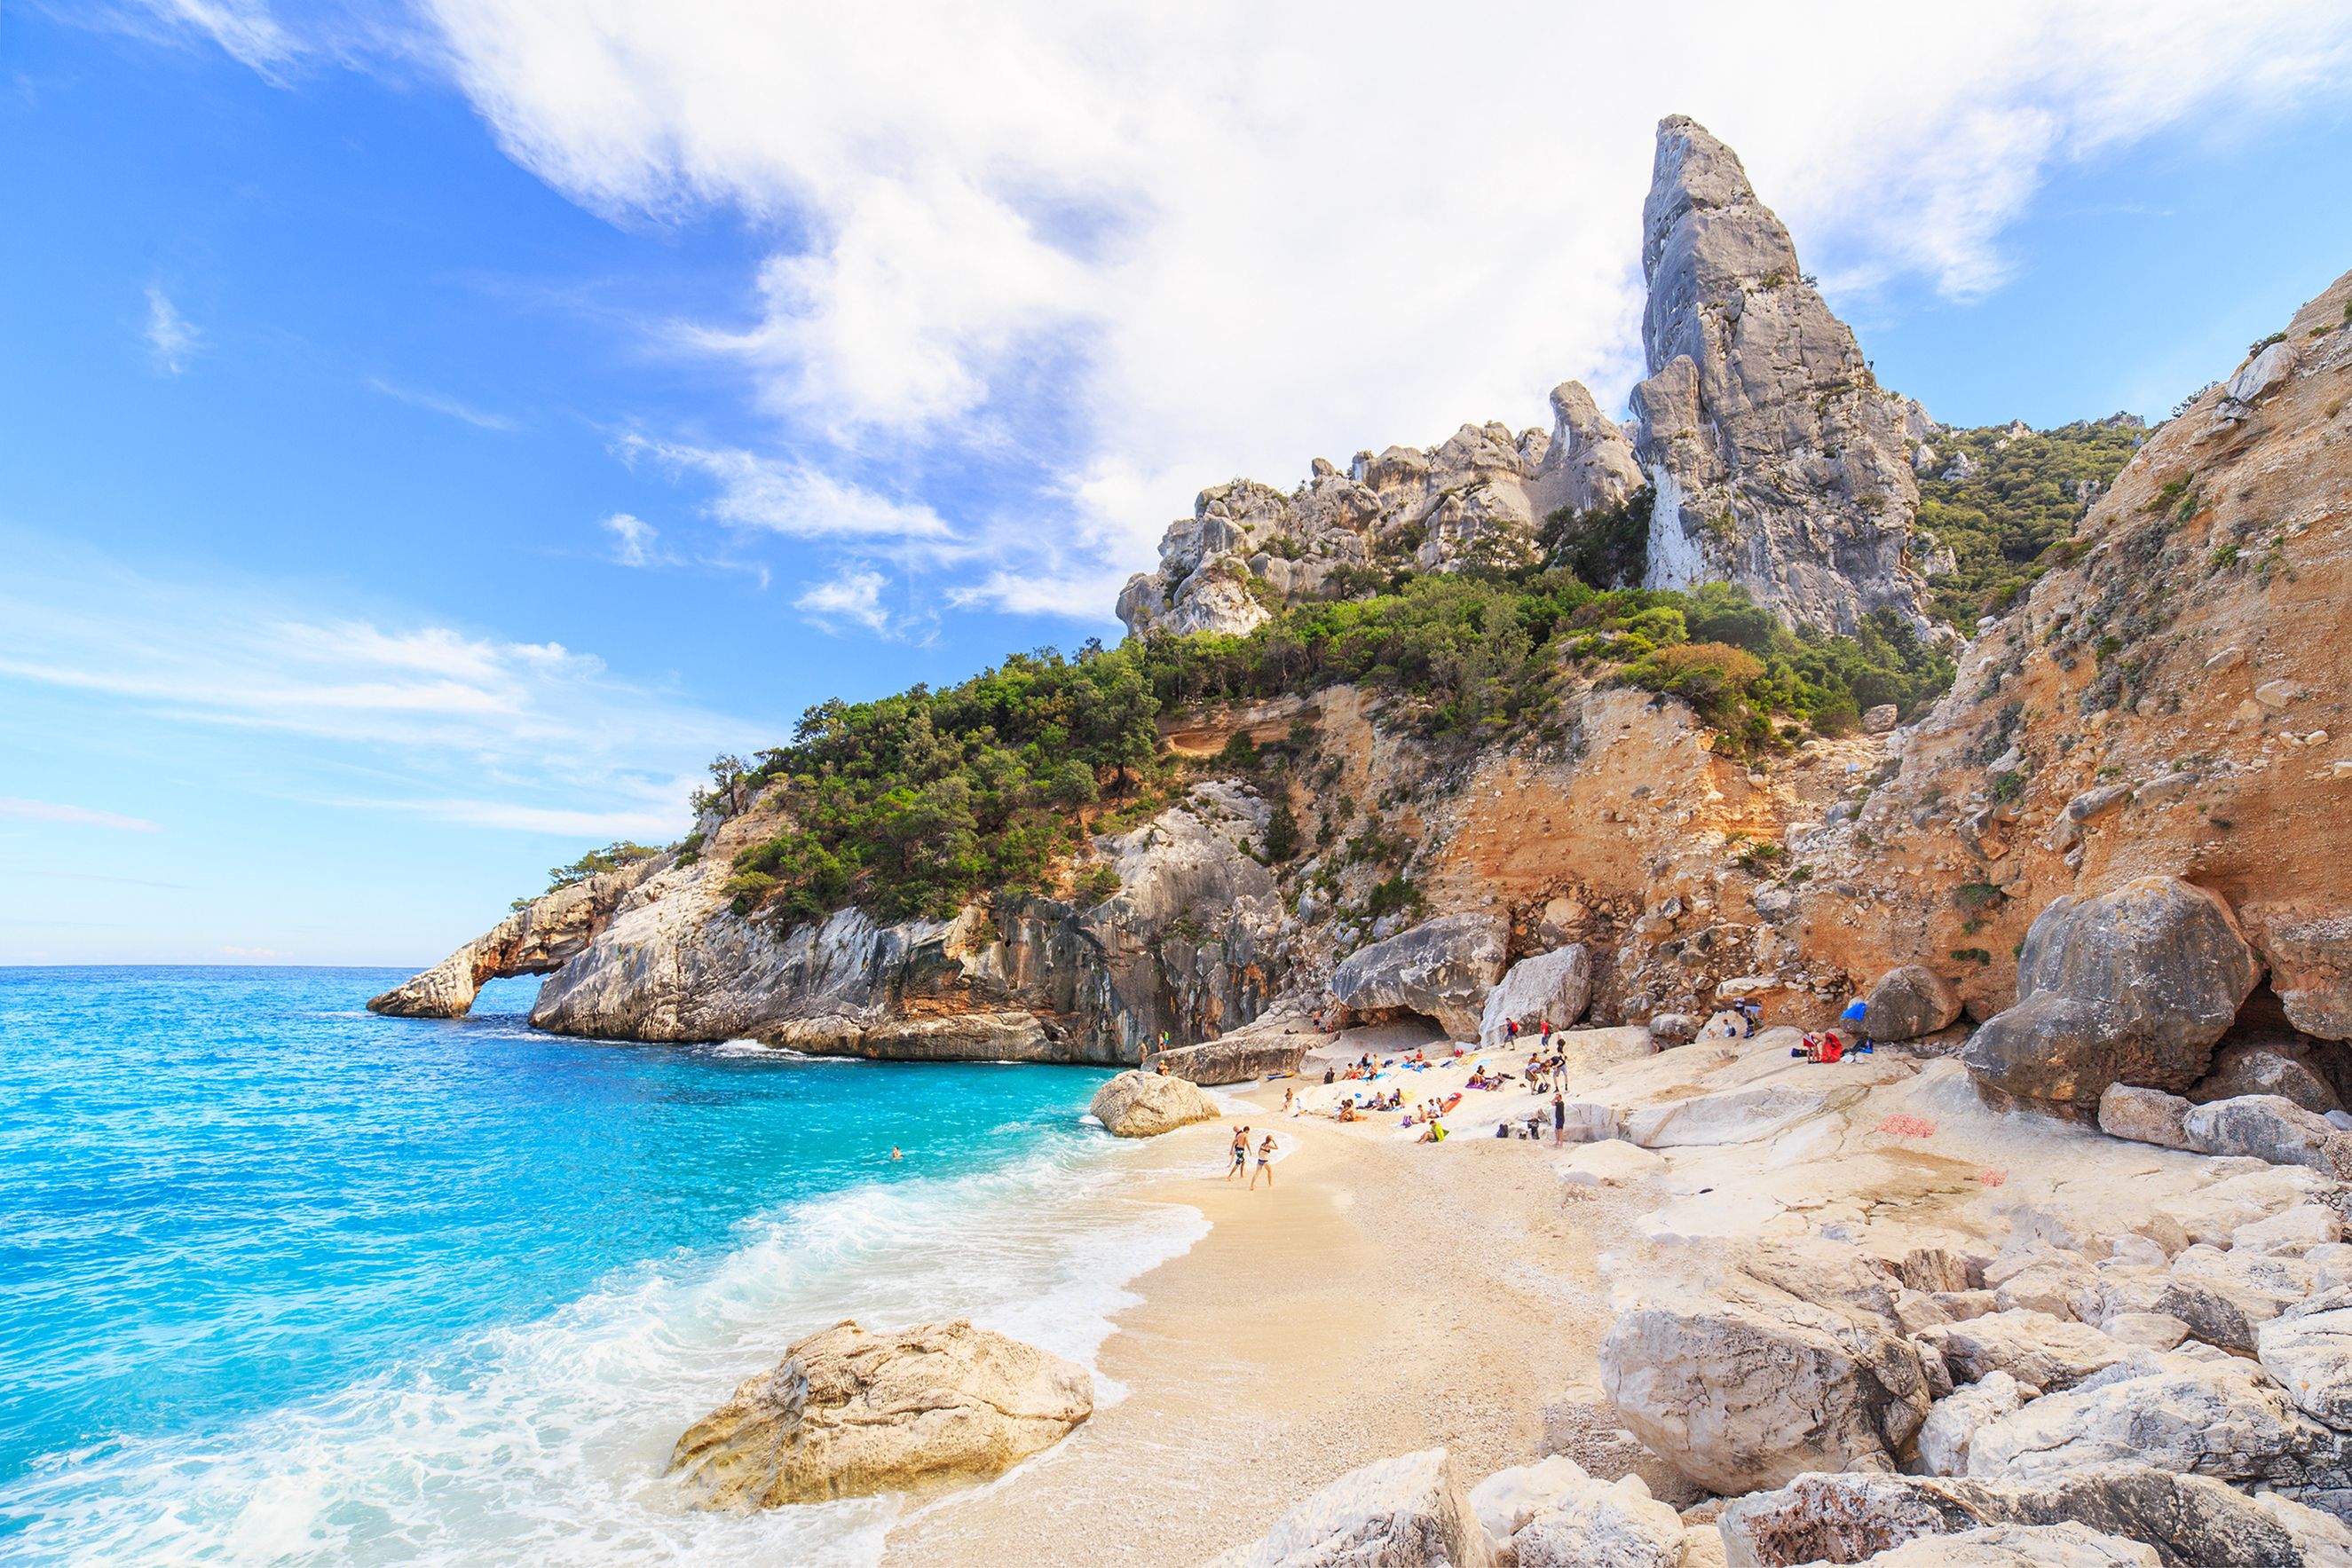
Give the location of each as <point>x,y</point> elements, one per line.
<point>1854,1010</point>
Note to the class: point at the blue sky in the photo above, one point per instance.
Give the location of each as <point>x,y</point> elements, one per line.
<point>433,433</point>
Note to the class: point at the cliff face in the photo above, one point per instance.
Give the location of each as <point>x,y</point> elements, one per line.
<point>1475,499</point>
<point>1176,948</point>
<point>1778,462</point>
<point>2168,701</point>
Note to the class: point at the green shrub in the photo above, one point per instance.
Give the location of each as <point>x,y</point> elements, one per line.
<point>2020,495</point>
<point>1100,884</point>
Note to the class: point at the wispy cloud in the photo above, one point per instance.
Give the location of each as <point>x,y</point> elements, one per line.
<point>461,727</point>
<point>246,29</point>
<point>634,540</point>
<point>72,816</point>
<point>789,497</point>
<point>853,595</point>
<point>171,339</point>
<point>441,403</point>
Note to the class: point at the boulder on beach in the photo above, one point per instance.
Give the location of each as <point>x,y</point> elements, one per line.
<point>2269,1128</point>
<point>2287,1065</point>
<point>1909,1002</point>
<point>2187,1521</point>
<point>1551,987</point>
<point>1739,1395</point>
<point>2143,1116</point>
<point>1237,1058</point>
<point>1146,1105</point>
<point>2135,986</point>
<point>849,1413</point>
<point>1406,1512</point>
<point>1441,968</point>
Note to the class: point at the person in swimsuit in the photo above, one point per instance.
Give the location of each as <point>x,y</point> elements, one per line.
<point>1241,1153</point>
<point>1265,1163</point>
<point>1559,1119</point>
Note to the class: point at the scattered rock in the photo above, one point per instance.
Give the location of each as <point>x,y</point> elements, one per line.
<point>1880,719</point>
<point>849,1413</point>
<point>1405,1512</point>
<point>2143,1116</point>
<point>2283,1067</point>
<point>2134,986</point>
<point>2220,1417</point>
<point>2045,1353</point>
<point>1738,1397</point>
<point>1552,986</point>
<point>2020,1546</point>
<point>1146,1105</point>
<point>1582,1427</point>
<point>2189,1522</point>
<point>1953,1420</point>
<point>2269,1128</point>
<point>1673,1029</point>
<point>1441,967</point>
<point>1507,1499</point>
<point>2289,1233</point>
<point>1613,1526</point>
<point>2309,1348</point>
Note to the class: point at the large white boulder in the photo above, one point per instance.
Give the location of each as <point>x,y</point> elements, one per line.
<point>2309,1348</point>
<point>1405,1512</point>
<point>2220,1417</point>
<point>2043,1351</point>
<point>1441,968</point>
<point>1146,1105</point>
<point>1551,987</point>
<point>1740,1395</point>
<point>1952,1421</point>
<point>2021,1546</point>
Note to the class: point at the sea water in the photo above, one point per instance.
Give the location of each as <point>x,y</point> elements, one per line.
<point>283,1281</point>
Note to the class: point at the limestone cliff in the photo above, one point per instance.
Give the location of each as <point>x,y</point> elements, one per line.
<point>1175,948</point>
<point>1777,461</point>
<point>1477,498</point>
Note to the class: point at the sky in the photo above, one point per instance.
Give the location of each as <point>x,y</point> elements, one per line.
<point>433,430</point>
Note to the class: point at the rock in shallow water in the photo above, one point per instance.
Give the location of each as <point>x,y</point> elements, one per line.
<point>849,1413</point>
<point>1146,1105</point>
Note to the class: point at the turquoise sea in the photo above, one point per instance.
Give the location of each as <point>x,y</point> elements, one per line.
<point>288,1282</point>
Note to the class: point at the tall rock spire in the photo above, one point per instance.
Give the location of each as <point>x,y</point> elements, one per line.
<point>1778,463</point>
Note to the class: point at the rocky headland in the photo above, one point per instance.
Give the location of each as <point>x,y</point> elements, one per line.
<point>1615,728</point>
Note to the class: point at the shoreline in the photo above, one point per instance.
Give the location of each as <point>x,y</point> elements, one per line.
<point>1380,1297</point>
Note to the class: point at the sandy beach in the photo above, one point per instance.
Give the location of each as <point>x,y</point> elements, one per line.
<point>1383,1296</point>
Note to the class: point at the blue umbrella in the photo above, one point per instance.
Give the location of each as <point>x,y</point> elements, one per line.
<point>1853,1010</point>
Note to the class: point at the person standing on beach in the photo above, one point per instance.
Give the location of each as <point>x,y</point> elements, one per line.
<point>1265,1163</point>
<point>1559,1119</point>
<point>1241,1153</point>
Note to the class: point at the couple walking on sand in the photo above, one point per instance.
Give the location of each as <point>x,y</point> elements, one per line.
<point>1241,1152</point>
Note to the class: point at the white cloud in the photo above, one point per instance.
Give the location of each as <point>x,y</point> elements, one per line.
<point>71,816</point>
<point>441,403</point>
<point>634,540</point>
<point>794,499</point>
<point>855,594</point>
<point>498,733</point>
<point>172,339</point>
<point>246,29</point>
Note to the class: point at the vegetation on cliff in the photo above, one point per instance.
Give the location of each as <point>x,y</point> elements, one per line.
<point>914,803</point>
<point>2000,500</point>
